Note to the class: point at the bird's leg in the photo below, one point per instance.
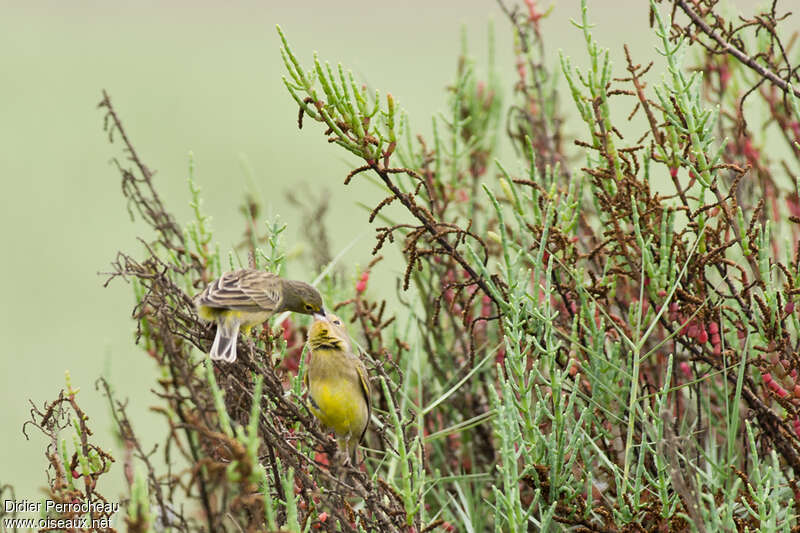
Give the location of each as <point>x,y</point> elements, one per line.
<point>333,457</point>
<point>346,450</point>
<point>251,346</point>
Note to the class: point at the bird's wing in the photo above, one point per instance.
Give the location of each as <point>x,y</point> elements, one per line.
<point>365,390</point>
<point>243,290</point>
<point>263,288</point>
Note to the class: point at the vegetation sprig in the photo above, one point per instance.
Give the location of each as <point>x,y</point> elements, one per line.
<point>599,336</point>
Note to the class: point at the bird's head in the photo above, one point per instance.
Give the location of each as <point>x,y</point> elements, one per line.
<point>300,297</point>
<point>328,332</point>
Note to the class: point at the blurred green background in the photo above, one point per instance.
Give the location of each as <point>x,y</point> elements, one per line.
<point>200,77</point>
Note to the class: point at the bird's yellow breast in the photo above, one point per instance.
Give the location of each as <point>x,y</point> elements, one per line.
<point>336,395</point>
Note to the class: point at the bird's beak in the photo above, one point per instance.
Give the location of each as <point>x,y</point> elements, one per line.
<point>320,315</point>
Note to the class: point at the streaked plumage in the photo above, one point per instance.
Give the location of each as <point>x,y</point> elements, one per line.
<point>248,297</point>
<point>337,383</point>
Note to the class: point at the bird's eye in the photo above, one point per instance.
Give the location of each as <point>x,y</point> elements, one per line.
<point>337,322</point>
<point>309,307</point>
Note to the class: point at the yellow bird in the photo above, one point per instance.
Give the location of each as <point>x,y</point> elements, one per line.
<point>337,383</point>
<point>248,297</point>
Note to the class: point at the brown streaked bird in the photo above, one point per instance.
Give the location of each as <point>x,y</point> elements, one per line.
<point>248,297</point>
<point>337,383</point>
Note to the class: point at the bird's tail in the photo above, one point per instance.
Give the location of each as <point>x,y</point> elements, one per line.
<point>224,347</point>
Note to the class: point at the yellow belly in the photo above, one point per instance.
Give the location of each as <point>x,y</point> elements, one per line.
<point>339,404</point>
<point>246,319</point>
